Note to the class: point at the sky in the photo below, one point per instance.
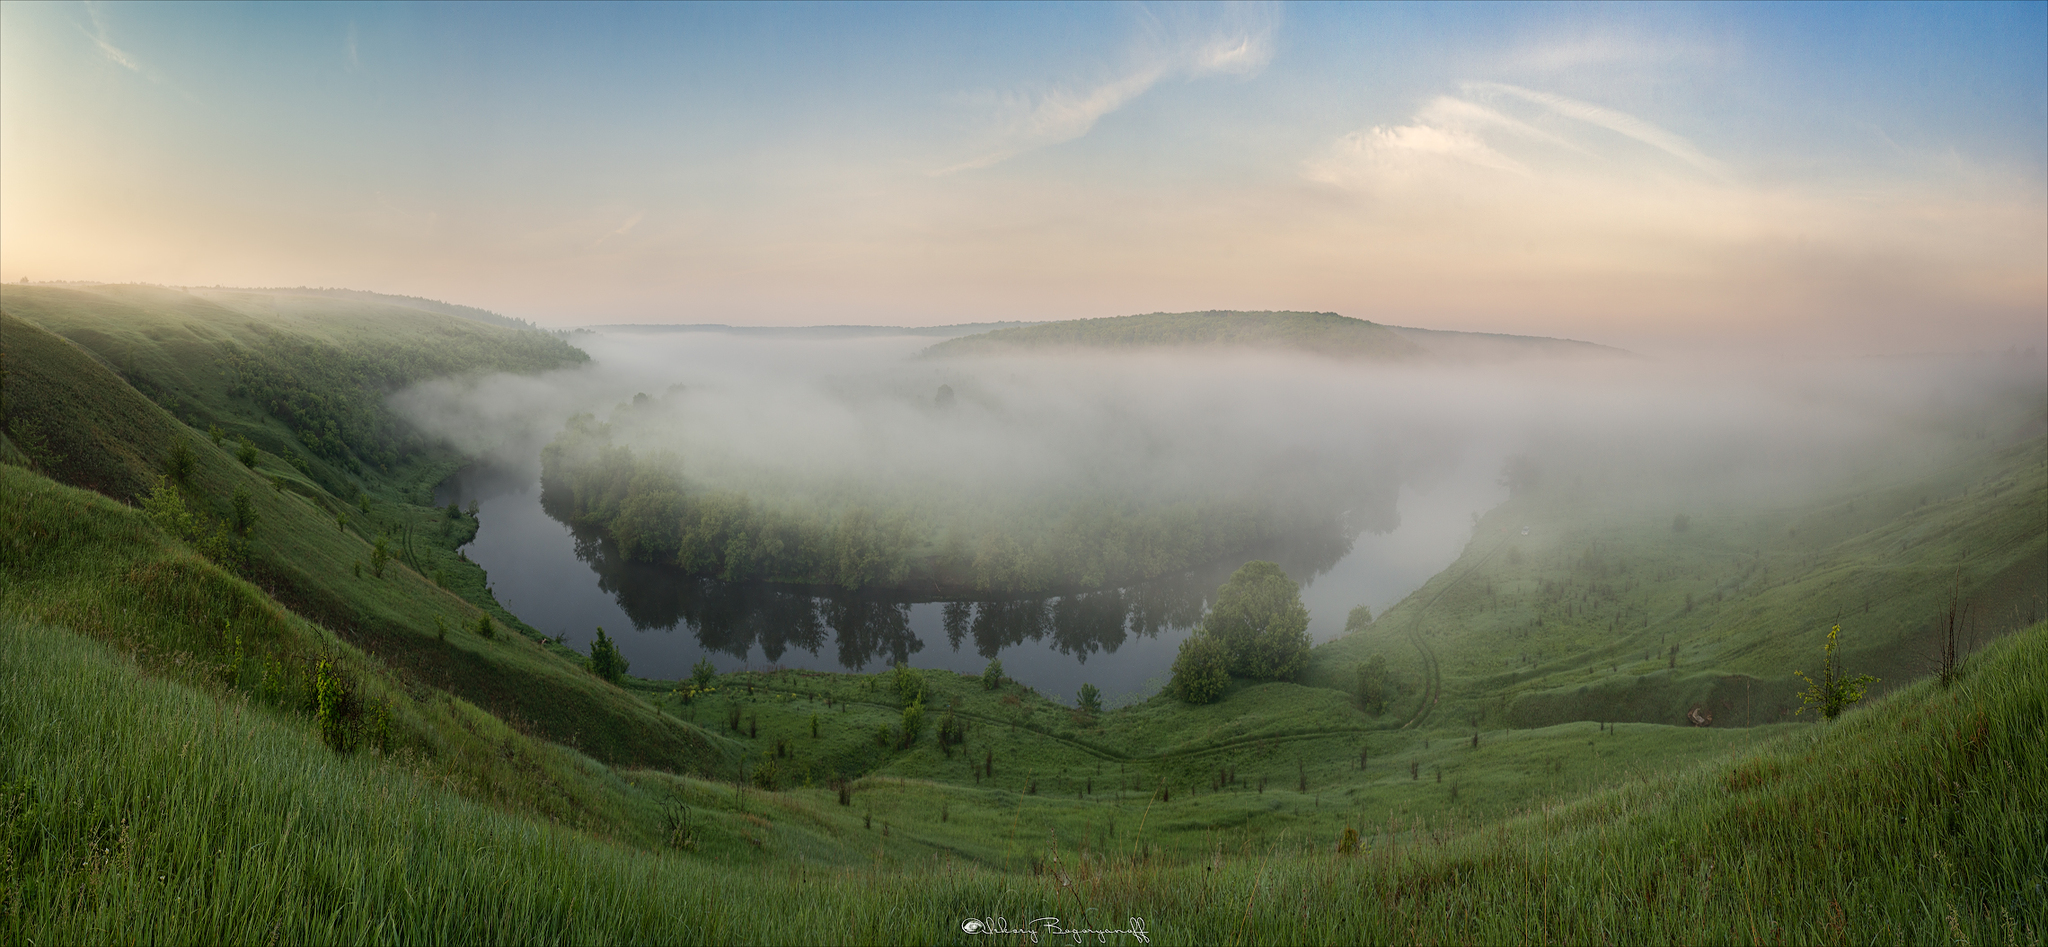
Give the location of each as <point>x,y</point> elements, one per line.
<point>1840,177</point>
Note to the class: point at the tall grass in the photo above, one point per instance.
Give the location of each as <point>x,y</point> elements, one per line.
<point>140,809</point>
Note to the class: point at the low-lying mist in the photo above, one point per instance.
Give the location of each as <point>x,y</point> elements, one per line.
<point>792,418</point>
<point>796,421</point>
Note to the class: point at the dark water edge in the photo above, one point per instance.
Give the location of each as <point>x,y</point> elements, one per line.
<point>1122,640</point>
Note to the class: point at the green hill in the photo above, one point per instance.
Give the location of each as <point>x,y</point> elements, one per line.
<point>217,733</point>
<point>1916,819</point>
<point>312,548</point>
<point>1324,333</point>
<point>1588,600</point>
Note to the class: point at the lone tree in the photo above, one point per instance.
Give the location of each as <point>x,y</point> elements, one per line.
<point>1260,621</point>
<point>1258,629</point>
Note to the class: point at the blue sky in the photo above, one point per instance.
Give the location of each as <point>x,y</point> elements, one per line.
<point>1658,176</point>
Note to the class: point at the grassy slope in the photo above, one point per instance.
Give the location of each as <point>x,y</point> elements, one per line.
<point>1918,819</point>
<point>1322,332</point>
<point>1576,621</point>
<point>88,566</point>
<point>116,439</point>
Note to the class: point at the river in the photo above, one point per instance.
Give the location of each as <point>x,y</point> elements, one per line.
<point>1121,640</point>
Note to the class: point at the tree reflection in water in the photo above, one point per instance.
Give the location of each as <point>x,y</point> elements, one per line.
<point>870,626</point>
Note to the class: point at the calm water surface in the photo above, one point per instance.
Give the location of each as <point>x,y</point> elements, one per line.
<point>1121,640</point>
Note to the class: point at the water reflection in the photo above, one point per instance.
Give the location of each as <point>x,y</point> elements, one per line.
<point>1121,640</point>
<point>874,627</point>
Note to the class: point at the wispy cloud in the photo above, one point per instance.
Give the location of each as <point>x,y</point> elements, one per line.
<point>1609,49</point>
<point>348,48</point>
<point>1187,42</point>
<point>1612,120</point>
<point>98,35</point>
<point>622,230</point>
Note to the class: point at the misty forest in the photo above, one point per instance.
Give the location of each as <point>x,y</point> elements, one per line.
<point>340,615</point>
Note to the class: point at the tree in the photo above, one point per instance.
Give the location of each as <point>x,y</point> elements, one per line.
<point>992,676</point>
<point>605,660</point>
<point>1201,673</point>
<point>1090,699</point>
<point>246,452</point>
<point>1357,621</point>
<point>1372,685</point>
<point>1260,623</point>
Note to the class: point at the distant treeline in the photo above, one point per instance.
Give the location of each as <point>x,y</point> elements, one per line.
<point>875,538</point>
<point>1325,333</point>
<point>333,397</point>
<point>416,302</point>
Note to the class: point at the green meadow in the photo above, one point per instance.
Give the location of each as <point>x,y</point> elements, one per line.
<point>256,694</point>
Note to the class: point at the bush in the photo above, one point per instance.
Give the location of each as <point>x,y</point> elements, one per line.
<point>329,695</point>
<point>1359,618</point>
<point>605,660</point>
<point>380,553</point>
<point>1372,685</point>
<point>246,453</point>
<point>242,512</point>
<point>1090,699</point>
<point>485,628</point>
<point>1201,673</point>
<point>702,673</point>
<point>180,462</point>
<point>992,676</point>
<point>1260,622</point>
<point>913,723</point>
<point>1835,691</point>
<point>909,684</point>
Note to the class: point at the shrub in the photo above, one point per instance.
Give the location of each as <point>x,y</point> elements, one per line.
<point>1090,699</point>
<point>702,673</point>
<point>1835,691</point>
<point>328,712</point>
<point>1357,621</point>
<point>1202,671</point>
<point>1372,685</point>
<point>952,732</point>
<point>485,627</point>
<point>180,462</point>
<point>1347,843</point>
<point>380,553</point>
<point>909,684</point>
<point>246,453</point>
<point>992,676</point>
<point>605,660</point>
<point>242,512</point>
<point>913,723</point>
